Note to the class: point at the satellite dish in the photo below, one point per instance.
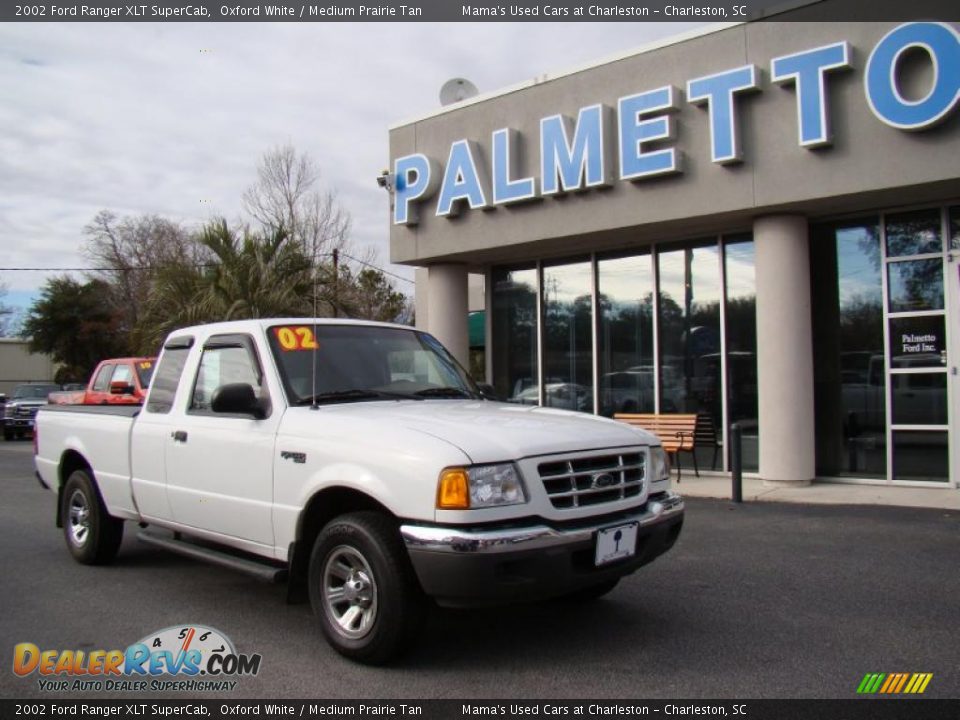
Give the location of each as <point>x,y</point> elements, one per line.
<point>456,90</point>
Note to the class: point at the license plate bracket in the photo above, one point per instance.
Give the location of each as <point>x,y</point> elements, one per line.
<point>616,542</point>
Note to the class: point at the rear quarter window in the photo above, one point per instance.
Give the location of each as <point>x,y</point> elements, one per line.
<point>166,379</point>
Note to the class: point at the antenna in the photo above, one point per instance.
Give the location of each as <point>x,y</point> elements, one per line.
<point>313,353</point>
<point>457,90</point>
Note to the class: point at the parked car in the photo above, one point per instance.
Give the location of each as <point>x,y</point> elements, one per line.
<point>20,410</point>
<point>568,396</point>
<point>359,462</point>
<point>117,381</point>
<point>120,381</point>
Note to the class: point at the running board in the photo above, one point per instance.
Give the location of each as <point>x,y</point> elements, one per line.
<point>260,570</point>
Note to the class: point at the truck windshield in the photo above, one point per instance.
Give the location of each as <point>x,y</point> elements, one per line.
<point>145,372</point>
<point>360,362</point>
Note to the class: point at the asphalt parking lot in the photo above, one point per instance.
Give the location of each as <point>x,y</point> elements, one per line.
<point>755,601</point>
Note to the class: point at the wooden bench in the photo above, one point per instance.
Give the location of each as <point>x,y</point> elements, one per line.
<point>677,432</point>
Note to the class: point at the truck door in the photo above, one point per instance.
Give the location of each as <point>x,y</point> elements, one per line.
<point>151,432</point>
<point>219,467</point>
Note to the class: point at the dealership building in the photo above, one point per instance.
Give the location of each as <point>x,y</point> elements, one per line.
<point>758,223</point>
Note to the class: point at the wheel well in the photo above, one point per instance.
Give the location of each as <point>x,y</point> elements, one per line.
<point>71,460</point>
<point>321,509</point>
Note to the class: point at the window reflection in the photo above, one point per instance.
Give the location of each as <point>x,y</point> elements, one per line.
<point>514,327</point>
<point>916,285</point>
<point>568,337</point>
<point>741,313</point>
<point>922,456</point>
<point>919,398</point>
<point>955,228</point>
<point>625,287</point>
<point>913,233</point>
<point>690,339</point>
<point>849,369</point>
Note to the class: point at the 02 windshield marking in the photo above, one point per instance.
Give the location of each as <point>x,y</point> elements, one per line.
<point>357,363</point>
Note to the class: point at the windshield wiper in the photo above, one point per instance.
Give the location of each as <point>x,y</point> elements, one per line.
<point>444,392</point>
<point>350,395</point>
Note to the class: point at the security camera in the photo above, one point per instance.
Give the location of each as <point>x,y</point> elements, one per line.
<point>385,180</point>
<point>382,180</point>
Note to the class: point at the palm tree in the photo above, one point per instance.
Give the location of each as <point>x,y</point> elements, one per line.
<point>246,275</point>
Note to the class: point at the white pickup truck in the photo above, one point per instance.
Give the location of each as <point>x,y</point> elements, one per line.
<point>359,462</point>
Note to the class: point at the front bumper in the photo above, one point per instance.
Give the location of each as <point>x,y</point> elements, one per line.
<point>464,567</point>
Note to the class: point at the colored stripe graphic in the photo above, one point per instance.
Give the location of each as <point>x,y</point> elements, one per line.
<point>894,683</point>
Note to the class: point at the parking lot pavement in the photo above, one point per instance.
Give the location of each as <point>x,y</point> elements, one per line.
<point>761,600</point>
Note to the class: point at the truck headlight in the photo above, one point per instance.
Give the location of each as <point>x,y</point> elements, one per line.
<point>479,486</point>
<point>659,464</point>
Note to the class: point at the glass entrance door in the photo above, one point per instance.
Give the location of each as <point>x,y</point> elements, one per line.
<point>953,332</point>
<point>919,359</point>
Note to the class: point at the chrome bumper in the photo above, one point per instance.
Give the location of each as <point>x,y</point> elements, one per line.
<point>492,542</point>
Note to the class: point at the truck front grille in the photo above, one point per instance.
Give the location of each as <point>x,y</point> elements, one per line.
<point>593,480</point>
<point>26,411</point>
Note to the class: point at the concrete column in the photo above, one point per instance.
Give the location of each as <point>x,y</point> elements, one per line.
<point>420,292</point>
<point>447,309</point>
<point>784,350</point>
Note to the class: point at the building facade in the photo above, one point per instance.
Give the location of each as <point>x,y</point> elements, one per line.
<point>758,223</point>
<point>19,365</point>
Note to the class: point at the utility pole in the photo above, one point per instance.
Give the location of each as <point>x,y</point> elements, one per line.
<point>336,282</point>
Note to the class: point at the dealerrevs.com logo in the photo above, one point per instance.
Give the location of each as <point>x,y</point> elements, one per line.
<point>189,658</point>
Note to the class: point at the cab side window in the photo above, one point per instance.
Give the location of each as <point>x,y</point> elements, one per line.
<point>123,374</point>
<point>164,387</point>
<point>102,382</point>
<point>223,366</point>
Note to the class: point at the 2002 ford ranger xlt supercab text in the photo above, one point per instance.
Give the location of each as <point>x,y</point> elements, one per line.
<point>359,462</point>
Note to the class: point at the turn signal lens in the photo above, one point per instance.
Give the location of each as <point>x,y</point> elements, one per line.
<point>452,492</point>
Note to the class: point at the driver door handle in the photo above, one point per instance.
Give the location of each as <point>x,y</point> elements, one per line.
<point>179,436</point>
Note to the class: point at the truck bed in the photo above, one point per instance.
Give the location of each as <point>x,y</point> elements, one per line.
<point>98,433</point>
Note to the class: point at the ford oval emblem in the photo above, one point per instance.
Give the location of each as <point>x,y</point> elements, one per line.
<point>602,480</point>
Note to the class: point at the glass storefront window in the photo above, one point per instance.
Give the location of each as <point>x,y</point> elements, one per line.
<point>919,398</point>
<point>741,342</point>
<point>916,285</point>
<point>625,298</point>
<point>568,337</point>
<point>913,233</point>
<point>918,342</point>
<point>920,456</point>
<point>514,326</point>
<point>955,228</point>
<point>849,368</point>
<point>689,315</point>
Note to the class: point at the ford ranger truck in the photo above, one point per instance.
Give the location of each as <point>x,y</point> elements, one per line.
<point>359,462</point>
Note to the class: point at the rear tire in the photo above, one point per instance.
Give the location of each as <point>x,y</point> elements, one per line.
<point>363,588</point>
<point>8,434</point>
<point>93,536</point>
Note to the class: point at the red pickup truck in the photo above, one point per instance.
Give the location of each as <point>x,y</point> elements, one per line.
<point>118,381</point>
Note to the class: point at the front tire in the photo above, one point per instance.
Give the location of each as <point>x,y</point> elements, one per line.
<point>93,536</point>
<point>363,588</point>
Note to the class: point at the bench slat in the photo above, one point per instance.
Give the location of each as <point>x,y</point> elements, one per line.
<point>676,432</point>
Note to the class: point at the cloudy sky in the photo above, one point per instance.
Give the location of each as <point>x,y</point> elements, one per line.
<point>172,118</point>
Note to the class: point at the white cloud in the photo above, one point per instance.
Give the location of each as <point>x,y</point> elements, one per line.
<point>172,118</point>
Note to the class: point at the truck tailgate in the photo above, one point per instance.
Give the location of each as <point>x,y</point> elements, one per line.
<point>101,436</point>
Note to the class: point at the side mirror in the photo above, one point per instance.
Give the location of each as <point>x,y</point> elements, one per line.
<point>121,387</point>
<point>487,391</point>
<point>237,398</point>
